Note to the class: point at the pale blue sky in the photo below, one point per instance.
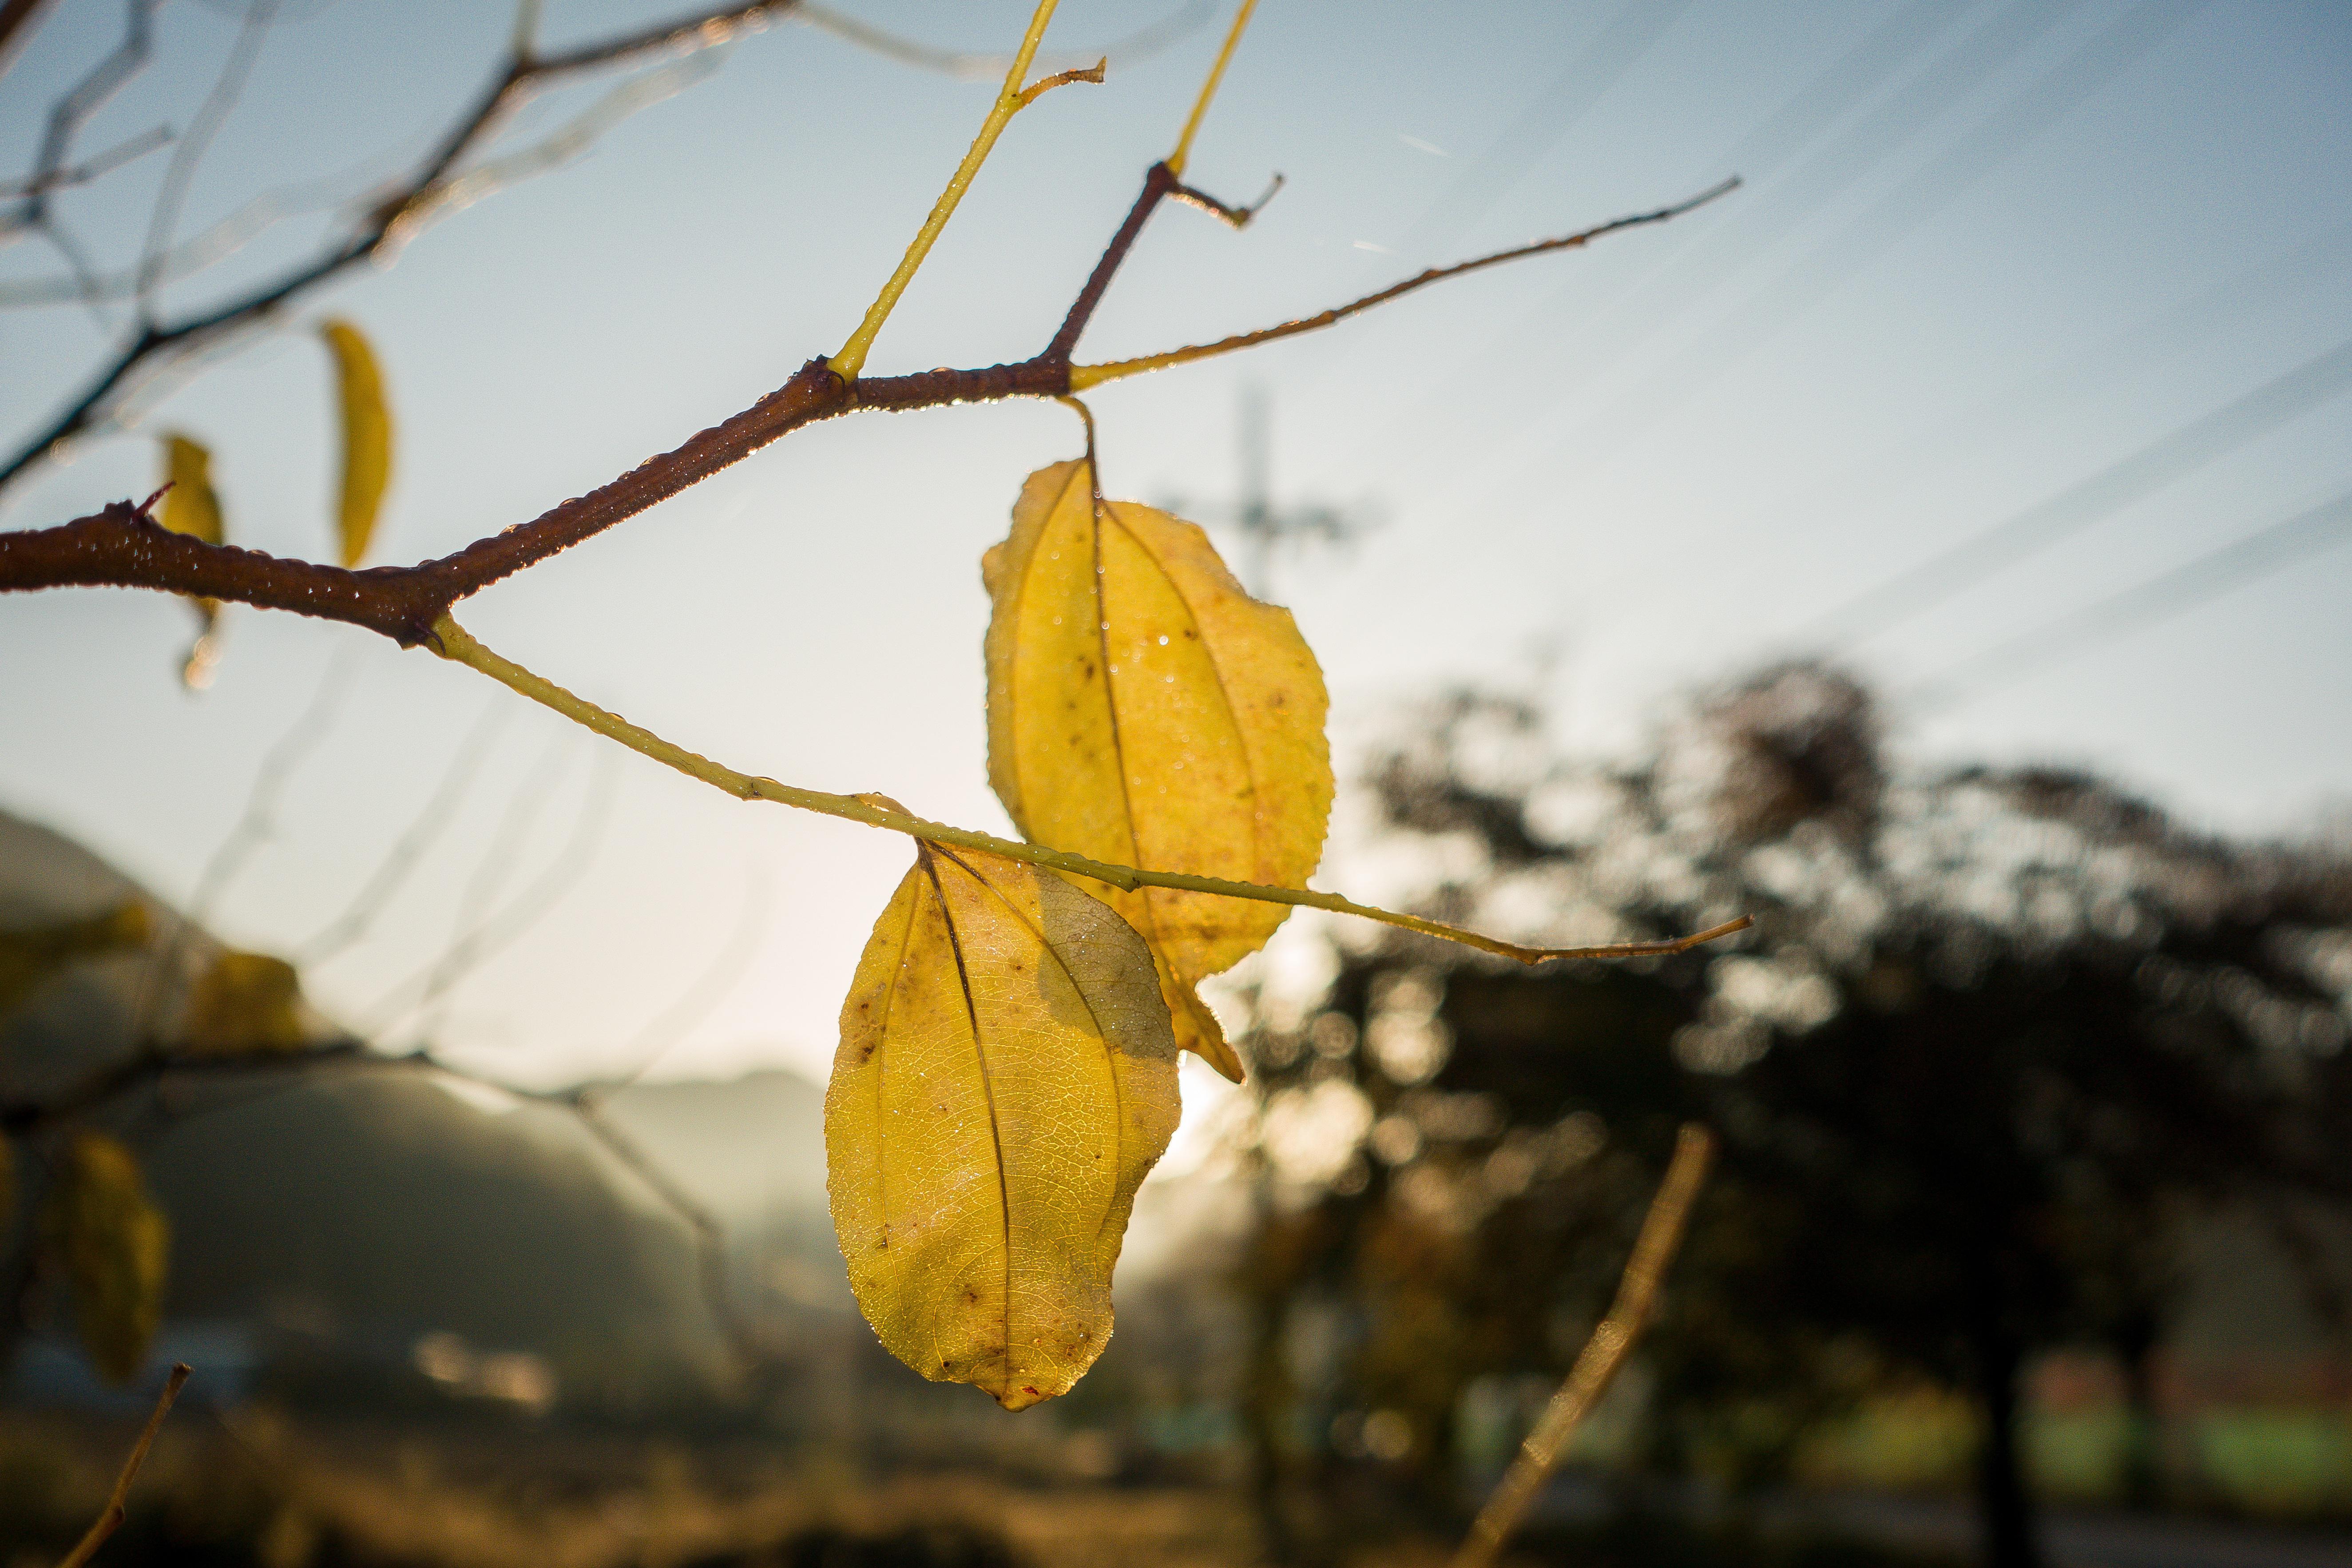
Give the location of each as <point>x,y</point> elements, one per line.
<point>1987,252</point>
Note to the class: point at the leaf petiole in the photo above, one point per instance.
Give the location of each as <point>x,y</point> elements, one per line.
<point>453,642</point>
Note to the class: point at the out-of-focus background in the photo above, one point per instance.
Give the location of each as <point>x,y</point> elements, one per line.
<point>1935,548</point>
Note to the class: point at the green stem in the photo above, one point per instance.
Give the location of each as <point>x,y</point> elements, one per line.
<point>1010,102</point>
<point>452,641</point>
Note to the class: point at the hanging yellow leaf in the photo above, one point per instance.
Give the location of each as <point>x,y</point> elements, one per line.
<point>367,437</point>
<point>116,1245</point>
<point>191,506</point>
<point>244,1003</point>
<point>29,956</point>
<point>1143,709</point>
<point>1005,1078</point>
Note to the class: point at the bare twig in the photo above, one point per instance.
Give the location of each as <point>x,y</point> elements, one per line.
<point>500,930</point>
<point>119,548</point>
<point>409,850</point>
<point>173,192</point>
<point>1086,375</point>
<point>253,827</point>
<point>382,230</point>
<point>111,1521</point>
<point>1603,1353</point>
<point>88,97</point>
<point>90,169</point>
<point>453,642</point>
<point>662,1033</point>
<point>1138,46</point>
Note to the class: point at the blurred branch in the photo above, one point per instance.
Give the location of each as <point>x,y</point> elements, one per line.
<point>253,827</point>
<point>121,547</point>
<point>157,1066</point>
<point>1138,46</point>
<point>671,1024</point>
<point>110,1520</point>
<point>19,20</point>
<point>1603,1353</point>
<point>66,117</point>
<point>379,233</point>
<point>173,192</point>
<point>504,927</point>
<point>82,174</point>
<point>409,850</point>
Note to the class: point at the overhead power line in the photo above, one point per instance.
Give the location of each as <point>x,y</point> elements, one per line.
<point>2160,463</point>
<point>2207,577</point>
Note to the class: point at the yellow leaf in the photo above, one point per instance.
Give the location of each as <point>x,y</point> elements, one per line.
<point>367,437</point>
<point>191,506</point>
<point>1144,710</point>
<point>1005,1078</point>
<point>245,1003</point>
<point>29,956</point>
<point>116,1245</point>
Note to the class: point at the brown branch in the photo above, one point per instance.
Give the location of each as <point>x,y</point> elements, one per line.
<point>111,1521</point>
<point>1603,1353</point>
<point>120,548</point>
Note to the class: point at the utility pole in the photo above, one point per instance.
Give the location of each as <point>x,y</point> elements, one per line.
<point>1263,526</point>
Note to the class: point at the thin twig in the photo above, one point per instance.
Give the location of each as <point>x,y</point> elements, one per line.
<point>1603,1353</point>
<point>662,1033</point>
<point>382,231</point>
<point>83,173</point>
<point>253,827</point>
<point>112,1519</point>
<point>173,193</point>
<point>1085,376</point>
<point>409,850</point>
<point>454,643</point>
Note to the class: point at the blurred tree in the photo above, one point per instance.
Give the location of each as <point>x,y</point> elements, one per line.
<point>1994,1031</point>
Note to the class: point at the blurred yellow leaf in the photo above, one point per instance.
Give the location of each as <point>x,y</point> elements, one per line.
<point>1144,710</point>
<point>192,506</point>
<point>244,1003</point>
<point>1006,1077</point>
<point>367,437</point>
<point>28,957</point>
<point>116,1245</point>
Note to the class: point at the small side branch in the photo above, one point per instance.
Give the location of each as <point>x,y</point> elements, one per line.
<point>1085,376</point>
<point>1603,1353</point>
<point>110,1520</point>
<point>453,642</point>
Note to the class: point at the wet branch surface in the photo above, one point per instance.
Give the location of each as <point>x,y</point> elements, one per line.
<point>122,546</point>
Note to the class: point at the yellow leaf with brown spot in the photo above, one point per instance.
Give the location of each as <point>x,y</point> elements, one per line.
<point>115,1245</point>
<point>1144,710</point>
<point>367,437</point>
<point>244,1003</point>
<point>1005,1078</point>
